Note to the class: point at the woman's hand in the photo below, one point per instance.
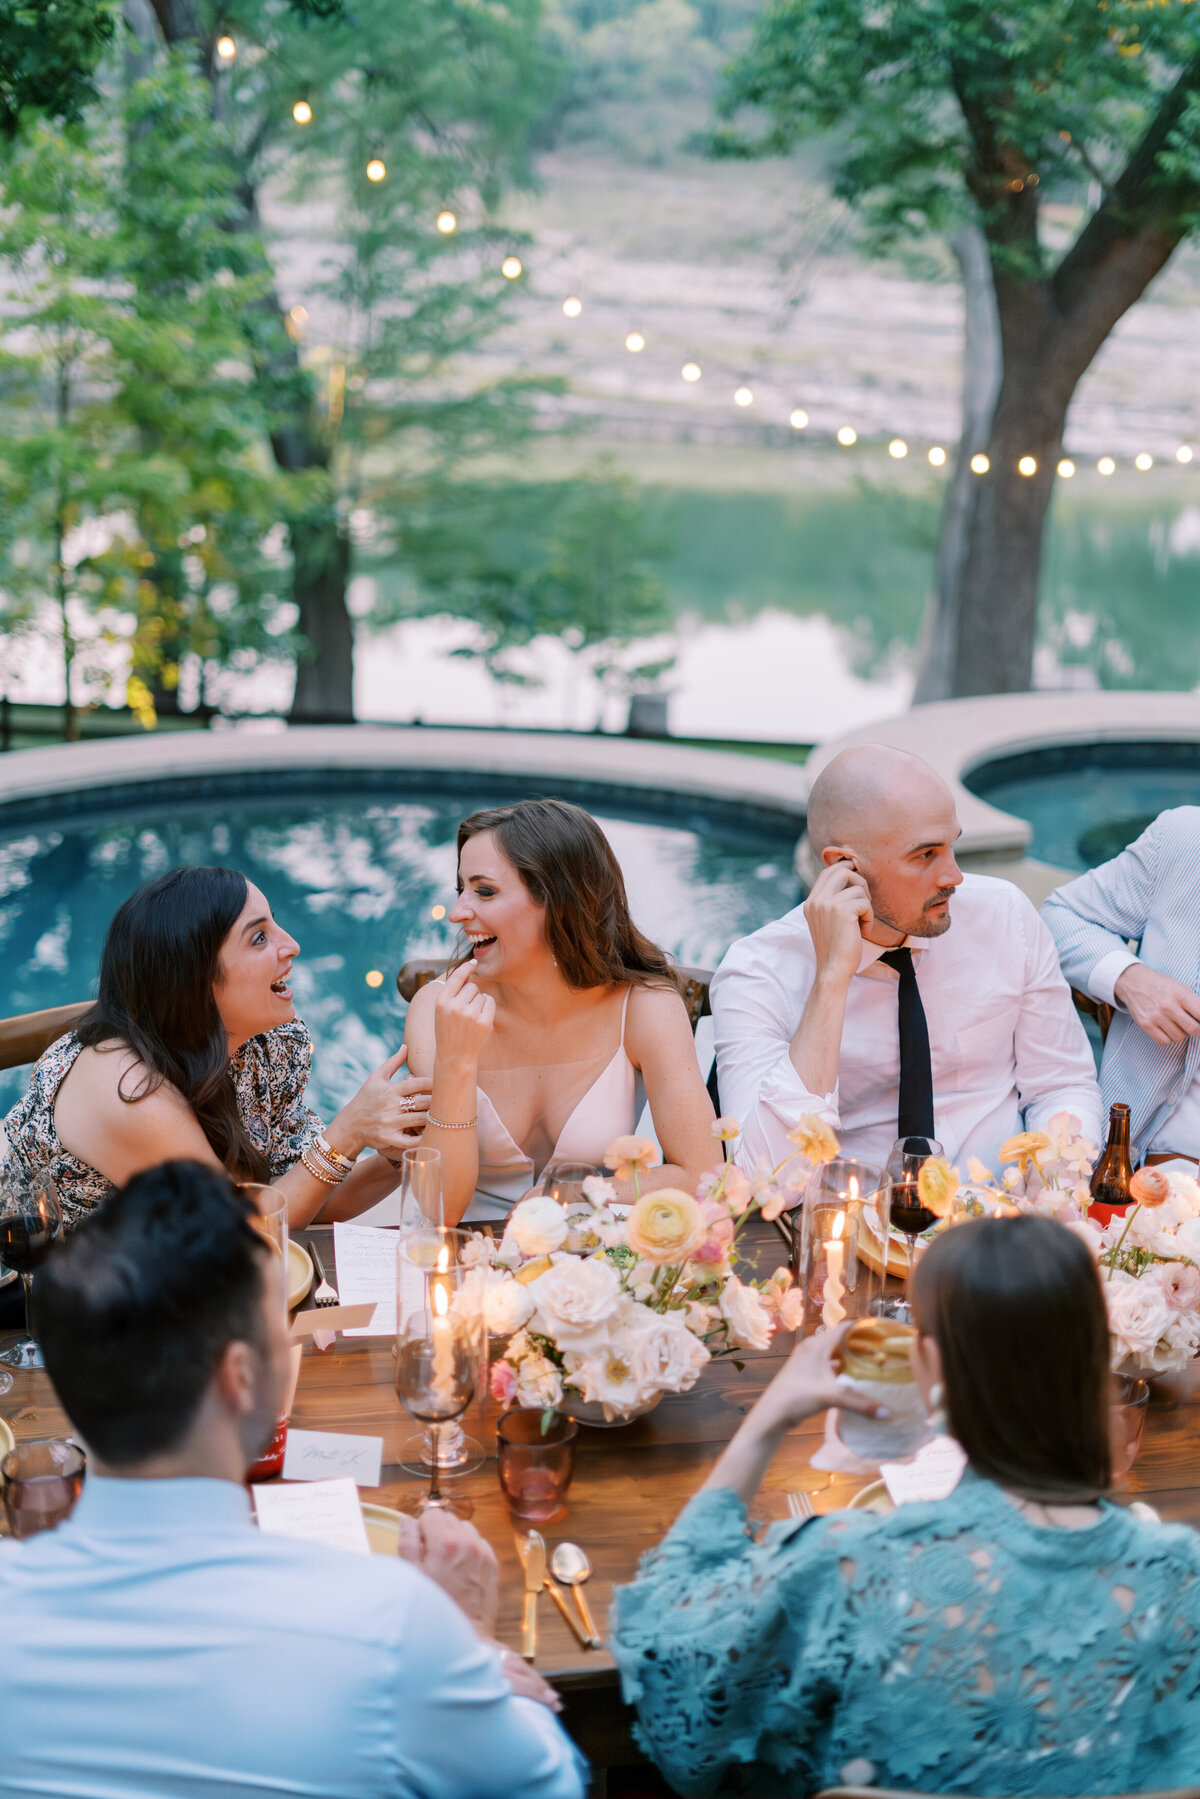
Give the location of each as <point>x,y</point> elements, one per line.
<point>385,1114</point>
<point>462,1018</point>
<point>807,1383</point>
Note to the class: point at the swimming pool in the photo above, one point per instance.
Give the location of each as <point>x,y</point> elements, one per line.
<point>357,865</point>
<point>1086,802</point>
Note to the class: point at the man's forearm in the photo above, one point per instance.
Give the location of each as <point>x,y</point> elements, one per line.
<point>817,1046</point>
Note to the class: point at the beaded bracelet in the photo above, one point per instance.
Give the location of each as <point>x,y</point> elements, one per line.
<point>443,1124</point>
<point>319,1173</point>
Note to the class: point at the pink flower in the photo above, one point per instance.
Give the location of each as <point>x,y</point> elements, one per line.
<point>791,1310</point>
<point>737,1190</point>
<point>1181,1286</point>
<point>1150,1187</point>
<point>503,1382</point>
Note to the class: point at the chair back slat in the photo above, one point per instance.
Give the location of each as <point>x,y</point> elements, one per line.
<point>28,1035</point>
<point>1095,1009</point>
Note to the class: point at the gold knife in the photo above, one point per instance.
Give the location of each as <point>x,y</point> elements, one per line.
<point>534,1559</point>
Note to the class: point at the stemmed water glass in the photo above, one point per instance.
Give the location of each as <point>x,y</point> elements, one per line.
<point>563,1181</point>
<point>30,1225</point>
<point>904,1164</point>
<point>439,1354</point>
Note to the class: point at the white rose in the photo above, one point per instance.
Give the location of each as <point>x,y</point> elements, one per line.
<point>539,1382</point>
<point>478,1251</point>
<point>1187,1239</point>
<point>747,1315</point>
<point>469,1299</point>
<point>665,1356</point>
<point>608,1377</point>
<point>1138,1314</point>
<point>1186,1193</point>
<point>537,1226</point>
<point>601,1192</point>
<point>506,1307</point>
<point>577,1299</point>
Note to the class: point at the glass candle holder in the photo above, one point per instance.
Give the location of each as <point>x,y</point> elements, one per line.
<point>535,1465</point>
<point>842,1219</point>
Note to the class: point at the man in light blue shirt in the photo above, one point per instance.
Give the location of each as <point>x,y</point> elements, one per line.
<point>157,1642</point>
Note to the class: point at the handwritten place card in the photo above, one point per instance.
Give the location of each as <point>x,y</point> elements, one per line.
<point>366,1272</point>
<point>933,1473</point>
<point>319,1511</point>
<point>319,1320</point>
<point>326,1454</point>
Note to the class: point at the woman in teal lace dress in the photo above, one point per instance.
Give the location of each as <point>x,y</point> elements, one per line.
<point>1023,1636</point>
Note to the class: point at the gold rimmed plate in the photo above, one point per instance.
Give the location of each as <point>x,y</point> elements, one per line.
<point>874,1498</point>
<point>383,1529</point>
<point>299,1273</point>
<point>989,1205</point>
<point>7,1440</point>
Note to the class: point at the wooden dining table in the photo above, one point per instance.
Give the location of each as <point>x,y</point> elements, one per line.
<point>630,1481</point>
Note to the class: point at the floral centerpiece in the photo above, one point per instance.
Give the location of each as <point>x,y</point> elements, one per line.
<point>614,1306</point>
<point>1149,1258</point>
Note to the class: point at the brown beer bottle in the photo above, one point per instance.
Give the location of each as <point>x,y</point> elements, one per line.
<point>1114,1171</point>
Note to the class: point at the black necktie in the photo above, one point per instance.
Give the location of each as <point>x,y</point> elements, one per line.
<point>915,1118</point>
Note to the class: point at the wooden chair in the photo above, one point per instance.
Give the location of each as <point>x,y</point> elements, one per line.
<point>693,984</point>
<point>891,1793</point>
<point>1094,1009</point>
<point>29,1034</point>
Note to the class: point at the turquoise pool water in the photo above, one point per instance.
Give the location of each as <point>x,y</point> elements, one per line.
<point>356,867</point>
<point>1087,802</point>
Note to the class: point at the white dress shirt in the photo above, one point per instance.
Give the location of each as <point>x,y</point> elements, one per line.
<point>1004,1036</point>
<point>158,1643</point>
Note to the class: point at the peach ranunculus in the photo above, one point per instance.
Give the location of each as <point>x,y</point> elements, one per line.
<point>665,1226</point>
<point>1150,1188</point>
<point>937,1183</point>
<point>726,1129</point>
<point>816,1140</point>
<point>1024,1148</point>
<point>625,1155</point>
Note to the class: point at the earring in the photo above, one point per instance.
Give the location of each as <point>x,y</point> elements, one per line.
<point>937,1411</point>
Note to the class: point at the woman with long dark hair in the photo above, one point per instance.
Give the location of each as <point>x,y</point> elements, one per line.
<point>193,1048</point>
<point>560,1013</point>
<point>1023,1635</point>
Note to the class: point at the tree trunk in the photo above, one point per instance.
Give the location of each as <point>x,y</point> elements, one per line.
<point>325,670</point>
<point>997,586</point>
<point>938,646</point>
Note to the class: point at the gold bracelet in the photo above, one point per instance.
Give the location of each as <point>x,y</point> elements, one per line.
<point>443,1124</point>
<point>318,1173</point>
<point>333,1156</point>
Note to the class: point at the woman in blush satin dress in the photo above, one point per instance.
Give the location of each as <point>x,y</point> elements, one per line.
<point>542,1040</point>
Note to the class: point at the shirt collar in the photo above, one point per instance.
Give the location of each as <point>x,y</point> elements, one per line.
<point>130,1508</point>
<point>871,952</point>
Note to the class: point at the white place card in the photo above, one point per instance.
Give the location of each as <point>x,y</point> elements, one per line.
<point>319,1511</point>
<point>366,1272</point>
<point>321,1321</point>
<point>329,1454</point>
<point>933,1473</point>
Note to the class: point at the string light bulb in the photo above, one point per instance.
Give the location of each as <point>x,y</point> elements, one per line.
<point>226,48</point>
<point>438,912</point>
<point>510,268</point>
<point>690,371</point>
<point>846,436</point>
<point>302,112</point>
<point>1066,468</point>
<point>635,343</point>
<point>898,449</point>
<point>1144,461</point>
<point>937,457</point>
<point>744,397</point>
<point>1106,466</point>
<point>446,223</point>
<point>1027,465</point>
<point>374,977</point>
<point>980,464</point>
<point>572,307</point>
<point>376,169</point>
<point>1184,453</point>
<point>798,419</point>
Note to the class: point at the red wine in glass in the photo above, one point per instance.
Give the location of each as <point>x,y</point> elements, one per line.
<point>908,1214</point>
<point>27,1238</point>
<point>30,1225</point>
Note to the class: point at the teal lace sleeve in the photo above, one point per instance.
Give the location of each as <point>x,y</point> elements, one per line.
<point>949,1648</point>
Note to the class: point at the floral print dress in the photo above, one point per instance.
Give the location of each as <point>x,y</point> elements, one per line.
<point>269,1073</point>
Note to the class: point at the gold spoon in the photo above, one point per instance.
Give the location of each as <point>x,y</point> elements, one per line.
<point>570,1564</point>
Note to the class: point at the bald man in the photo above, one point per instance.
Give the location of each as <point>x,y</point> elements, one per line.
<point>903,997</point>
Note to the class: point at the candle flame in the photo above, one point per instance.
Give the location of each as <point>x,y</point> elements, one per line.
<point>853,1187</point>
<point>839,1224</point>
<point>439,1301</point>
<point>443,1261</point>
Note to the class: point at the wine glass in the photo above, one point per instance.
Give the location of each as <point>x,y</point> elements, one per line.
<point>563,1181</point>
<point>30,1224</point>
<point>438,1350</point>
<point>421,1189</point>
<point>904,1164</point>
